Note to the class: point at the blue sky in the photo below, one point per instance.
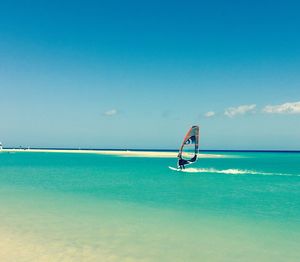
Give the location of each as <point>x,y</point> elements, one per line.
<point>137,74</point>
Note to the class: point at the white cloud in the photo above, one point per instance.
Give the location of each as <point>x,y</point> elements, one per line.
<point>286,108</point>
<point>111,112</point>
<point>210,114</point>
<point>240,110</point>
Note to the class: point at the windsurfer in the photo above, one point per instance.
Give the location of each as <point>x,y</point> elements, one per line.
<point>181,162</point>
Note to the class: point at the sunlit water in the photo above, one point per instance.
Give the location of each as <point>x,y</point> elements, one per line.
<point>85,207</point>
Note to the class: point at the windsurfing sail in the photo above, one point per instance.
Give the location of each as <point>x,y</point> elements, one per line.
<point>190,146</point>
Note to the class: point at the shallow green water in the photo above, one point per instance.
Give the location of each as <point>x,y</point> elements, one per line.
<point>85,207</point>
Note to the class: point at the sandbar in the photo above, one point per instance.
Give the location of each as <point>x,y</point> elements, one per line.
<point>124,153</point>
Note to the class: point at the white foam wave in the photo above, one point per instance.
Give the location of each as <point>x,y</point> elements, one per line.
<point>233,171</point>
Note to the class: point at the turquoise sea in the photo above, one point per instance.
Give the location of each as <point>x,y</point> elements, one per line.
<point>89,207</point>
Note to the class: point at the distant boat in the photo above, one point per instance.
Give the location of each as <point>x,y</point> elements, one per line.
<point>1,147</point>
<point>189,148</point>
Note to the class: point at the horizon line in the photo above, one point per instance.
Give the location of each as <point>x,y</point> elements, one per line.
<point>158,149</point>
